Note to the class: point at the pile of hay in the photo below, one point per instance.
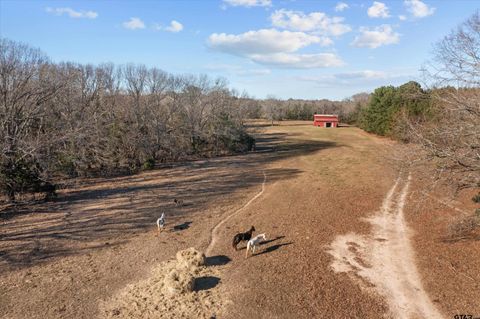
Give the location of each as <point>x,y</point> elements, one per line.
<point>168,293</point>
<point>180,279</point>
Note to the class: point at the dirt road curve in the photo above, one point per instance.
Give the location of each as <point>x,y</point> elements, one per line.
<point>347,238</point>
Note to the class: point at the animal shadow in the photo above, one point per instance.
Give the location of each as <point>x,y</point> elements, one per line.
<point>219,260</point>
<point>181,226</point>
<point>271,240</point>
<point>272,248</point>
<point>205,283</point>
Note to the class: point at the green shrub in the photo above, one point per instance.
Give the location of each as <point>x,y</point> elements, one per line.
<point>246,141</point>
<point>22,175</point>
<point>149,164</point>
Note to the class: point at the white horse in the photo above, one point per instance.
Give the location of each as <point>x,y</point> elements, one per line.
<point>253,243</point>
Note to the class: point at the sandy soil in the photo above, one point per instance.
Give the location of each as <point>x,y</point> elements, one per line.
<point>306,188</point>
<point>385,258</point>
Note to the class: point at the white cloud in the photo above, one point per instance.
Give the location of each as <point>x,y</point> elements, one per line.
<point>341,6</point>
<point>315,21</point>
<point>72,13</point>
<point>273,47</point>
<point>418,9</point>
<point>299,61</point>
<point>361,78</point>
<point>378,10</point>
<point>134,23</point>
<point>325,41</point>
<point>376,37</point>
<point>248,3</point>
<point>366,74</point>
<point>402,17</point>
<point>264,41</point>
<point>175,26</point>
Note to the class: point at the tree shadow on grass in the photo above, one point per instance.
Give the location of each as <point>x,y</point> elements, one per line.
<point>112,209</point>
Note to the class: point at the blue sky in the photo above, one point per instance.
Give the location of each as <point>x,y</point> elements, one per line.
<point>286,48</point>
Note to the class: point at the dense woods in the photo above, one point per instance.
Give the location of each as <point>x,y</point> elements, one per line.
<point>69,119</point>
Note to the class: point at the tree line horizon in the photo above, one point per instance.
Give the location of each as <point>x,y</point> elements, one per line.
<point>65,120</point>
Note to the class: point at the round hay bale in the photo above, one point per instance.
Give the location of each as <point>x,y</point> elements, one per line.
<point>178,282</point>
<point>190,258</point>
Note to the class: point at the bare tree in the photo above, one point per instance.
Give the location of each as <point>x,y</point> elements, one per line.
<point>453,136</point>
<point>28,82</point>
<point>456,59</point>
<point>272,109</point>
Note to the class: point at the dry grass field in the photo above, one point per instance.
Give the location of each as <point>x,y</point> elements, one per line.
<point>351,234</point>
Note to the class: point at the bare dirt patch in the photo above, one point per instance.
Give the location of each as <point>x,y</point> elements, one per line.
<point>391,268</point>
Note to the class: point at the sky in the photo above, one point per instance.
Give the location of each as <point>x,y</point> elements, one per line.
<point>282,48</point>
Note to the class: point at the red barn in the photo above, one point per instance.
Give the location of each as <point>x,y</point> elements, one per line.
<point>325,120</point>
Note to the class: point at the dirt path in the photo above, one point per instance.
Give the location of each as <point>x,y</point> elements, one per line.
<point>385,259</point>
<point>214,233</point>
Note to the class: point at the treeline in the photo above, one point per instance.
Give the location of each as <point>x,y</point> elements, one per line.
<point>294,109</point>
<point>69,119</point>
<point>273,109</point>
